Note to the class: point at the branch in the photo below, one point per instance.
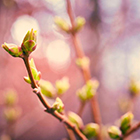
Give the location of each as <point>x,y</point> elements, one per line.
<point>86,72</point>
<point>49,109</point>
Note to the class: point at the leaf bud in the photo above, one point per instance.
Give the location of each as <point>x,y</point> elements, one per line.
<point>88,90</point>
<point>114,132</point>
<point>83,62</point>
<point>126,121</point>
<point>47,88</point>
<point>13,49</point>
<point>91,130</point>
<point>29,42</point>
<point>10,98</point>
<point>62,85</point>
<point>58,105</point>
<point>79,23</point>
<point>134,88</point>
<point>75,119</point>
<point>62,24</point>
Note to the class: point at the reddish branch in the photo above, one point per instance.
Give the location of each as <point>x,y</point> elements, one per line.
<point>86,72</point>
<point>49,109</point>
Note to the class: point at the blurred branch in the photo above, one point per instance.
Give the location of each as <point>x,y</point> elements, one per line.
<point>86,72</point>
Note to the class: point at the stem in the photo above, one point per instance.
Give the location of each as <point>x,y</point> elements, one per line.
<point>131,130</point>
<point>26,61</point>
<point>70,133</point>
<point>80,111</point>
<point>57,115</point>
<point>86,72</point>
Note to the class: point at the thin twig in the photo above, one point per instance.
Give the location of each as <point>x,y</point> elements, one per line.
<point>80,111</point>
<point>86,72</point>
<point>49,109</point>
<point>70,133</point>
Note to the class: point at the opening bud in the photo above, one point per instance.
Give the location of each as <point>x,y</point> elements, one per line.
<point>29,42</point>
<point>13,49</point>
<point>58,105</point>
<point>91,130</point>
<point>114,132</point>
<point>126,121</point>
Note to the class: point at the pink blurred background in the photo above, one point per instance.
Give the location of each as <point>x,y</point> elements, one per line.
<point>110,38</point>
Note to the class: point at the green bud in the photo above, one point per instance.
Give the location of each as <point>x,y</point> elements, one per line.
<point>114,132</point>
<point>83,62</point>
<point>36,74</point>
<point>88,90</point>
<point>29,42</point>
<point>13,49</point>
<point>81,93</point>
<point>134,88</point>
<point>62,85</point>
<point>126,121</point>
<point>10,98</point>
<point>93,84</point>
<point>91,87</point>
<point>91,130</point>
<point>47,88</point>
<point>62,24</point>
<point>11,114</point>
<point>79,23</point>
<point>74,118</point>
<point>58,105</point>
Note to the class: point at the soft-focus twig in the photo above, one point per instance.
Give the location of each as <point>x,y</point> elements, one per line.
<point>86,72</point>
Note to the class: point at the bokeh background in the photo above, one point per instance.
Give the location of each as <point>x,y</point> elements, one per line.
<point>110,38</point>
